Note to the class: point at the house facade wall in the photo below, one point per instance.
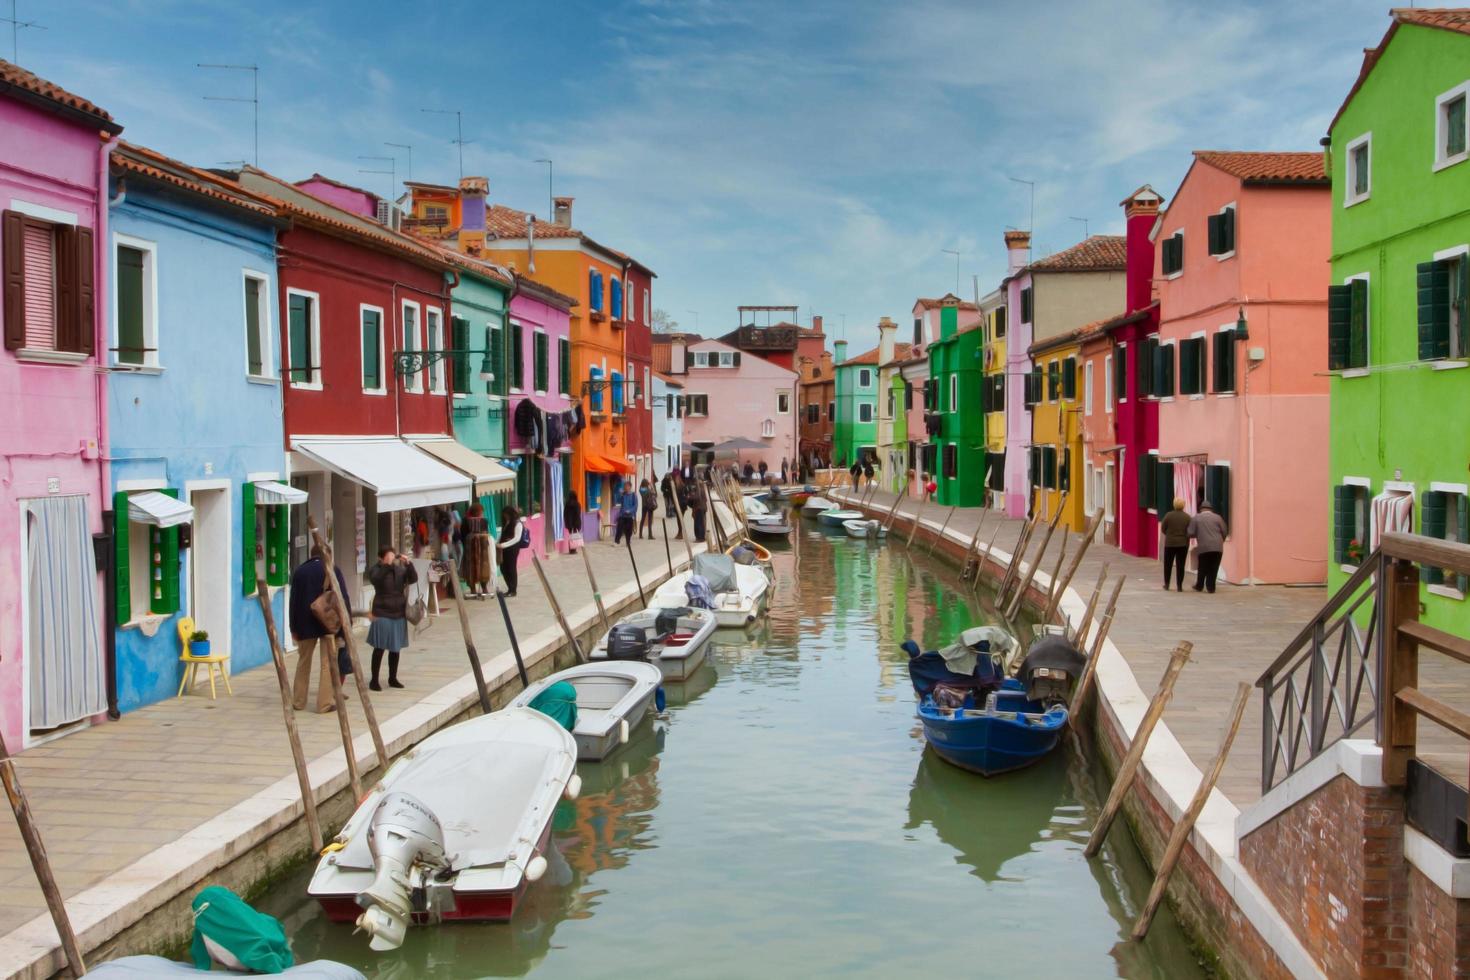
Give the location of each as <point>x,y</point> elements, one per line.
<point>743,404</point>
<point>534,315</point>
<point>1018,416</point>
<point>1066,300</point>
<point>638,348</point>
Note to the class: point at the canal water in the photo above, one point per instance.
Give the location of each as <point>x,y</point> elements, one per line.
<point>784,820</point>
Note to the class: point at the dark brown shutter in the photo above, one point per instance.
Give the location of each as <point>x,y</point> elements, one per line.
<point>64,245</point>
<point>12,245</point>
<point>85,306</point>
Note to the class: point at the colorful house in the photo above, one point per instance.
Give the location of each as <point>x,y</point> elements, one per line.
<point>892,429</point>
<point>57,672</point>
<point>1399,307</point>
<point>193,273</point>
<point>1055,453</point>
<point>993,395</point>
<point>817,402</point>
<point>784,344</point>
<point>730,396</point>
<point>855,431</point>
<point>668,423</point>
<point>638,351</point>
<point>1236,365</point>
<point>957,425</point>
<point>921,453</point>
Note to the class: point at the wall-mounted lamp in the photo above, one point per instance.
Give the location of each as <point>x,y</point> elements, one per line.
<point>1242,330</point>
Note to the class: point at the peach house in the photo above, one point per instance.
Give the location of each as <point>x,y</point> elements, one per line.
<point>1242,273</point>
<point>734,395</point>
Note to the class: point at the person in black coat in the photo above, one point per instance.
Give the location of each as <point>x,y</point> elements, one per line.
<point>571,519</point>
<point>667,485</point>
<point>307,584</point>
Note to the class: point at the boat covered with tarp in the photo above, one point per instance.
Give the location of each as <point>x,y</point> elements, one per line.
<point>735,593</point>
<point>599,703</point>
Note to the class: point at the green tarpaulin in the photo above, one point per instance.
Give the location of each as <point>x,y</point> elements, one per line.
<point>253,938</point>
<point>560,702</point>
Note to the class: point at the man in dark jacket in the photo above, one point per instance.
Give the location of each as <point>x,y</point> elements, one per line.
<point>307,583</point>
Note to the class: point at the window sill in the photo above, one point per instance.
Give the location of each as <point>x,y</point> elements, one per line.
<point>147,625</point>
<point>303,386</point>
<point>1448,162</point>
<point>1354,373</point>
<point>150,369</point>
<point>1225,394</point>
<point>1350,201</point>
<point>1224,255</point>
<point>1449,365</point>
<point>1170,277</point>
<point>539,394</point>
<point>36,356</point>
<point>260,379</point>
<point>1196,398</point>
<point>375,392</point>
<point>1445,591</point>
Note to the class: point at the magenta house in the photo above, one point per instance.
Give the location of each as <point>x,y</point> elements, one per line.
<point>55,672</point>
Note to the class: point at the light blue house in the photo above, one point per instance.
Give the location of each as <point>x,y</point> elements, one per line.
<point>194,417</point>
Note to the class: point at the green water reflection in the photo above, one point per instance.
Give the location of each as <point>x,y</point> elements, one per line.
<point>784,820</point>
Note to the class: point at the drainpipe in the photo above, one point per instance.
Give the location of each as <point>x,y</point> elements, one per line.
<point>109,520</point>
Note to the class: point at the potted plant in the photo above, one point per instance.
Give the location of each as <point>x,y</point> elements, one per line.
<point>199,644</point>
<point>1355,552</point>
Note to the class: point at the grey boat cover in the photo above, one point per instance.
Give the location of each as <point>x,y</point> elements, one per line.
<point>719,570</point>
<point>145,967</point>
<point>961,657</point>
<point>1056,653</point>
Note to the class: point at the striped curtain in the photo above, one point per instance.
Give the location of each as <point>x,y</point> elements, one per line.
<point>1187,479</point>
<point>556,496</point>
<point>67,678</point>
<point>1393,510</point>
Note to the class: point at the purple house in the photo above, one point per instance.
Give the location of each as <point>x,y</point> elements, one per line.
<point>540,377</point>
<point>56,674</point>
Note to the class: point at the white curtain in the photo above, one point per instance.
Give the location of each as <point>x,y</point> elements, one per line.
<point>67,675</point>
<point>557,495</point>
<point>1186,484</point>
<point>1393,510</point>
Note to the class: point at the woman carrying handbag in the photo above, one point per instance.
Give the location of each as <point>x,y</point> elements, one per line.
<point>390,577</point>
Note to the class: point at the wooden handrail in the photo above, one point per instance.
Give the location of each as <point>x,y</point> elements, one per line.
<point>1451,646</point>
<point>1435,710</point>
<point>1434,552</point>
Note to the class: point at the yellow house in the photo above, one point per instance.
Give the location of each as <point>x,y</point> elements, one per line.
<point>1052,391</point>
<point>993,394</point>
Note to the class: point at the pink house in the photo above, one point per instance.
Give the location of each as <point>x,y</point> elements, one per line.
<point>1242,272</point>
<point>344,196</point>
<point>737,396</point>
<point>55,671</point>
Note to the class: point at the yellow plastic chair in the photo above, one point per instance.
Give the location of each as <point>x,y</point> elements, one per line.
<point>213,662</point>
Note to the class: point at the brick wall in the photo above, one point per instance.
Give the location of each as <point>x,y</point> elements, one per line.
<point>1438,931</point>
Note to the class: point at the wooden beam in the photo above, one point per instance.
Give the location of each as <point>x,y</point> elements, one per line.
<point>597,594</point>
<point>476,669</point>
<point>288,709</point>
<point>1435,710</point>
<point>1059,588</point>
<point>1089,671</point>
<point>1427,636</point>
<point>1020,595</point>
<point>942,528</point>
<point>556,609</point>
<point>1399,582</point>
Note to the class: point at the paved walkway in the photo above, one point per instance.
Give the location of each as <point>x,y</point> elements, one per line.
<point>107,796</point>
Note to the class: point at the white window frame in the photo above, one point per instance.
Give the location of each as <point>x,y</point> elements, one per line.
<point>1364,371</point>
<point>315,384</point>
<point>647,387</point>
<point>1349,197</point>
<point>1231,207</point>
<point>1171,276</point>
<point>1367,485</point>
<point>691,403</point>
<point>954,392</point>
<point>434,323</point>
<point>385,368</point>
<point>701,359</point>
<point>1455,360</point>
<point>140,555</point>
<point>727,358</point>
<point>865,373</point>
<point>1440,160</point>
<point>151,361</point>
<point>267,361</point>
<point>783,398</point>
<point>647,308</point>
<point>768,428</point>
<point>1461,489</point>
<point>861,407</point>
<point>1087,373</point>
<point>412,383</point>
<point>1107,385</point>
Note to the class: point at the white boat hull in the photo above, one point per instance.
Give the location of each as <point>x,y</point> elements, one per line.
<point>613,698</point>
<point>733,610</point>
<point>676,662</point>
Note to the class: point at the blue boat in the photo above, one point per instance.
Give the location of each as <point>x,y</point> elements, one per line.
<point>976,718</point>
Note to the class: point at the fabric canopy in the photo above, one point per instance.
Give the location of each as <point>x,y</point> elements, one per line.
<point>594,463</point>
<point>158,509</point>
<point>270,492</point>
<point>489,476</point>
<point>399,474</point>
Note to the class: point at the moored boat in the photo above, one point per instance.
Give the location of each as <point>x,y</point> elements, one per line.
<point>815,505</point>
<point>865,528</point>
<point>772,527</point>
<point>454,831</point>
<point>612,699</point>
<point>673,639</point>
<point>837,515</point>
<point>737,592</point>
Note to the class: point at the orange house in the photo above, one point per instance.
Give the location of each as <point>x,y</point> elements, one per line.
<point>558,255</point>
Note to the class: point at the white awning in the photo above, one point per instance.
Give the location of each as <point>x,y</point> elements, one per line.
<point>399,474</point>
<point>158,509</point>
<point>489,476</point>
<point>270,492</point>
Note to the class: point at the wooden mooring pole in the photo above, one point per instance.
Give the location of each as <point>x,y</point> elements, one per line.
<point>1129,766</point>
<point>288,708</point>
<point>596,593</point>
<point>1023,541</point>
<point>556,610</point>
<point>971,565</point>
<point>1079,634</point>
<point>914,528</point>
<point>643,599</point>
<point>1186,822</point>
<point>1020,594</point>
<point>892,511</point>
<point>942,528</point>
<point>1058,588</point>
<point>457,587</point>
<point>981,557</point>
<point>1089,671</point>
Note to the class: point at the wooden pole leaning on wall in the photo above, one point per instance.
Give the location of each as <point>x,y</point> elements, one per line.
<point>970,566</point>
<point>942,528</point>
<point>1129,766</point>
<point>30,835</point>
<point>636,580</point>
<point>457,587</point>
<point>288,708</point>
<point>596,593</point>
<point>1023,541</point>
<point>1079,633</point>
<point>556,610</point>
<point>362,685</point>
<point>1020,594</point>
<point>893,510</point>
<point>980,557</point>
<point>914,528</point>
<point>1059,587</point>
<point>1056,573</point>
<point>668,552</point>
<point>1089,671</point>
<point>1185,824</point>
<point>683,533</point>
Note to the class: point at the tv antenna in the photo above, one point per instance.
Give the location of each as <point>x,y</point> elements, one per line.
<point>16,25</point>
<point>254,99</point>
<point>459,139</point>
<point>403,146</point>
<point>391,172</point>
<point>1031,219</point>
<point>1085,234</point>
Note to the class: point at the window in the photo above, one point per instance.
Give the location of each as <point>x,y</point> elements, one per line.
<point>1033,387</point>
<point>1347,324</point>
<point>1446,515</point>
<point>783,403</point>
<point>831,411</point>
<point>528,486</point>
<point>1064,470</point>
<point>459,339</point>
<point>701,358</point>
<point>495,343</point>
<point>865,412</point>
<point>147,561</point>
<point>1000,322</point>
<point>541,354</point>
<point>728,359</point>
<point>616,287</point>
<point>1359,183</point>
<point>1352,521</point>
<point>48,291</point>
<point>436,213</point>
<point>1224,359</point>
<point>435,322</point>
<point>1109,379</point>
<point>954,393</point>
<point>1217,489</point>
<point>304,332</point>
<point>1192,365</point>
<point>136,343</point>
<point>918,331</point>
<point>410,342</point>
<point>768,429</point>
<point>699,405</point>
<point>517,356</point>
<point>1145,386</point>
<point>1221,229</point>
<point>1148,473</point>
<point>1120,373</point>
<point>1087,388</point>
<point>265,542</point>
<point>564,365</point>
<point>996,464</point>
<point>594,291</point>
<point>1443,314</point>
<point>1449,127</point>
<point>1163,373</point>
<point>951,461</point>
<point>647,310</point>
<point>619,392</point>
<point>1069,378</point>
<point>813,414</point>
<point>1171,254</point>
<point>257,325</point>
<point>1053,380</point>
<point>372,349</point>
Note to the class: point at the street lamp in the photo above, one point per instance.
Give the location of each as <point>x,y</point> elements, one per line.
<point>1242,330</point>
<point>407,363</point>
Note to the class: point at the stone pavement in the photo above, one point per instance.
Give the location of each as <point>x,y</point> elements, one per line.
<point>108,796</point>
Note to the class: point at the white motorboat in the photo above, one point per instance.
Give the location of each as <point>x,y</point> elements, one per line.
<point>815,505</point>
<point>739,591</point>
<point>674,639</point>
<point>613,698</point>
<point>865,529</point>
<point>454,831</point>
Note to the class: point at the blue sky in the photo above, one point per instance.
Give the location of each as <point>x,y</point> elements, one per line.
<point>820,155</point>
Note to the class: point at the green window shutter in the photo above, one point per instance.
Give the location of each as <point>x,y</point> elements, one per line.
<point>1434,310</point>
<point>1148,464</point>
<point>1357,351</point>
<point>254,358</point>
<point>1212,224</point>
<point>1069,378</point>
<point>1053,378</point>
<point>1120,374</point>
<point>517,355</point>
<point>122,596</point>
<point>299,321</point>
<point>372,352</point>
<point>495,342</point>
<point>1186,368</point>
<point>1339,326</point>
<point>130,306</point>
<point>543,361</point>
<point>1462,534</point>
<point>1432,525</point>
<point>1049,467</point>
<point>1064,471</point>
<point>1157,373</point>
<point>1227,230</point>
<point>1146,367</point>
<point>1217,490</point>
<point>1163,487</point>
<point>459,339</point>
<point>278,545</point>
<point>164,566</point>
<point>564,365</point>
<point>1462,304</point>
<point>1033,466</point>
<point>247,539</point>
<point>1344,521</point>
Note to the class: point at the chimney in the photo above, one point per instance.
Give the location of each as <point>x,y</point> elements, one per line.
<point>839,352</point>
<point>1018,251</point>
<point>1141,210</point>
<point>562,216</point>
<point>949,317</point>
<point>817,323</point>
<point>472,192</point>
<point>886,330</point>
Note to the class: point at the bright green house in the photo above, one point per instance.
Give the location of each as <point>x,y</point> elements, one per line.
<point>855,430</point>
<point>1399,309</point>
<point>955,404</point>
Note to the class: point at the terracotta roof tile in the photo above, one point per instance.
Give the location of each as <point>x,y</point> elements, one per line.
<point>504,222</point>
<point>15,79</point>
<point>1447,18</point>
<point>1099,253</point>
<point>934,304</point>
<point>900,351</point>
<point>129,158</point>
<point>480,267</point>
<point>1268,167</point>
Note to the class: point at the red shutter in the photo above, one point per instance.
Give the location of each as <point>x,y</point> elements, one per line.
<point>12,253</point>
<point>86,300</point>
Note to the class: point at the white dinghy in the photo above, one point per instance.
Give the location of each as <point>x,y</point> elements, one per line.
<point>613,698</point>
<point>815,505</point>
<point>674,640</point>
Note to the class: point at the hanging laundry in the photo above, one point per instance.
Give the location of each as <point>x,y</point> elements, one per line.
<point>525,419</point>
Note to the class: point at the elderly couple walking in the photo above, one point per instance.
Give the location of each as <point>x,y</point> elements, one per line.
<point>1207,530</point>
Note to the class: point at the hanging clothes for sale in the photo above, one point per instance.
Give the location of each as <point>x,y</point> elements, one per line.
<point>555,433</point>
<point>553,480</point>
<point>525,419</point>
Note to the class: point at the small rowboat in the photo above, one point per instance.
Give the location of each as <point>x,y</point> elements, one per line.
<point>865,529</point>
<point>769,528</point>
<point>762,553</point>
<point>836,516</point>
<point>613,697</point>
<point>815,505</point>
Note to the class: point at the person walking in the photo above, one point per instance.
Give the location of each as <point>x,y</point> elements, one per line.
<point>307,584</point>
<point>671,507</point>
<point>512,538</point>
<point>390,578</point>
<point>648,500</point>
<point>1209,531</point>
<point>571,519</point>
<point>868,471</point>
<point>478,570</point>
<point>627,513</point>
<point>764,469</point>
<point>857,475</point>
<point>749,473</point>
<point>784,471</point>
<point>1175,528</point>
<point>699,505</point>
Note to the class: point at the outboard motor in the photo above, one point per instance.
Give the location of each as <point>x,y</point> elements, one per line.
<point>1051,667</point>
<point>403,833</point>
<point>627,642</point>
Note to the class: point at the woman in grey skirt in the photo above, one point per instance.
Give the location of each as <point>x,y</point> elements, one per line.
<point>391,577</point>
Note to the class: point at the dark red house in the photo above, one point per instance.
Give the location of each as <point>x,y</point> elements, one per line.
<point>638,350</point>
